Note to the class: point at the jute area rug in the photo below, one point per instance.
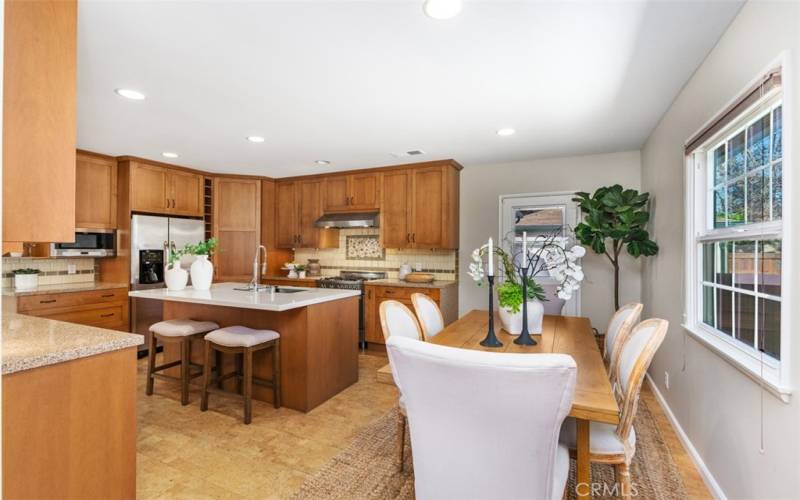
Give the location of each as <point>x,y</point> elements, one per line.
<point>367,468</point>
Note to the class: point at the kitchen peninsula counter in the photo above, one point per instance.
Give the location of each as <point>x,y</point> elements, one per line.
<point>318,329</point>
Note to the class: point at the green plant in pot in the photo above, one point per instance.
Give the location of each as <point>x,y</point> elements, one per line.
<point>615,218</point>
<point>26,279</point>
<point>202,270</point>
<point>301,270</point>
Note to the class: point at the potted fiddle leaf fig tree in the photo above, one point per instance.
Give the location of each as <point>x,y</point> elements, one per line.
<point>615,218</point>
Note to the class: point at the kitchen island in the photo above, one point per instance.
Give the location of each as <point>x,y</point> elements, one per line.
<point>318,328</point>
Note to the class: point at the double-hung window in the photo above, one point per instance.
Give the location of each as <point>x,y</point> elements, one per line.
<point>734,241</point>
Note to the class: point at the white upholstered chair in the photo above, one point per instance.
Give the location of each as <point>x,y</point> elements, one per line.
<point>397,320</point>
<point>485,424</point>
<point>429,315</point>
<point>617,445</point>
<point>620,326</point>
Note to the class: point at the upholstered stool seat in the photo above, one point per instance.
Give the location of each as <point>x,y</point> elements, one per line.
<point>241,336</point>
<point>244,341</point>
<point>181,332</point>
<point>182,327</point>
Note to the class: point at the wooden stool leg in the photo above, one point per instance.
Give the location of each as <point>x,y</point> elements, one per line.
<point>240,373</point>
<point>276,374</point>
<point>186,347</point>
<point>206,375</point>
<point>623,480</point>
<point>248,385</point>
<point>218,364</point>
<point>151,363</point>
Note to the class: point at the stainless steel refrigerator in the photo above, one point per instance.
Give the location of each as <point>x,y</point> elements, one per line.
<point>152,239</point>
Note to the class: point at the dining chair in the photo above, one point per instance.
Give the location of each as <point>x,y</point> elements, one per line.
<point>616,445</point>
<point>485,424</point>
<point>397,320</point>
<point>430,316</point>
<point>620,326</point>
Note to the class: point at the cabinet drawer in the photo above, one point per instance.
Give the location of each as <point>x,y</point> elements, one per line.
<point>101,316</point>
<point>31,303</point>
<point>400,293</point>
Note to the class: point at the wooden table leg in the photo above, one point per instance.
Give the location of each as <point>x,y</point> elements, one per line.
<point>583,475</point>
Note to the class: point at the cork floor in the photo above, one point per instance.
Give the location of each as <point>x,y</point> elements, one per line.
<point>185,453</point>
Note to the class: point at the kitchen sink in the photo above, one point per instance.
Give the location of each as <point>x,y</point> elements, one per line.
<point>278,289</point>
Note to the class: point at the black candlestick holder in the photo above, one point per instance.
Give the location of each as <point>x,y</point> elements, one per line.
<point>524,337</point>
<point>491,338</point>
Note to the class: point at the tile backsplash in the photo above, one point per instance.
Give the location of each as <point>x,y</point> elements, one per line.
<point>442,263</point>
<point>53,271</point>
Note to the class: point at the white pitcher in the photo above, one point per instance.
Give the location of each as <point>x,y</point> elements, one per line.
<point>202,271</point>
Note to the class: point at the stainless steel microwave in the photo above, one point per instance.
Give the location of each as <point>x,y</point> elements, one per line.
<point>88,243</point>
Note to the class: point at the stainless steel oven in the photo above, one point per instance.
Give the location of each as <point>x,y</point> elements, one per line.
<point>87,243</point>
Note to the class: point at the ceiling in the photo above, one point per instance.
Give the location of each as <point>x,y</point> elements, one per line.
<point>352,82</point>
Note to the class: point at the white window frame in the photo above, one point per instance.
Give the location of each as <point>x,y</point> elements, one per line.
<point>769,372</point>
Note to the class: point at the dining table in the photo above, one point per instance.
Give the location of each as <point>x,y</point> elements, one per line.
<point>594,399</point>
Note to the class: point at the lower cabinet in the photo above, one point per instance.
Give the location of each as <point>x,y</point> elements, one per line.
<point>101,308</point>
<point>446,298</point>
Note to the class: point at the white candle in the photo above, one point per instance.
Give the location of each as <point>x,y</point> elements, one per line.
<point>491,257</point>
<point>524,246</point>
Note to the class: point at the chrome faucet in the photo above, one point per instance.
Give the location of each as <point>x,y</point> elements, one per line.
<point>259,268</point>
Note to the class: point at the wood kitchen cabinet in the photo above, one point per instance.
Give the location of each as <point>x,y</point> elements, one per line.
<point>39,121</point>
<point>237,226</point>
<point>419,207</point>
<point>163,190</point>
<point>298,206</point>
<point>352,193</point>
<point>106,308</point>
<point>95,192</point>
<point>445,297</point>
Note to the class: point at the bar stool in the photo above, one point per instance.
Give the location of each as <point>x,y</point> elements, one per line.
<point>176,331</point>
<point>244,341</point>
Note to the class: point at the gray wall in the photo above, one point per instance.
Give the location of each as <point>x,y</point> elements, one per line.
<point>718,406</point>
<point>481,187</point>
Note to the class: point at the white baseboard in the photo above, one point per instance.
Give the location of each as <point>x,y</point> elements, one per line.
<point>708,478</point>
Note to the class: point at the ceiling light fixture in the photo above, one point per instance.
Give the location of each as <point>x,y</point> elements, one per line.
<point>255,138</point>
<point>442,9</point>
<point>130,94</point>
<point>167,154</point>
<point>322,162</point>
<point>505,132</point>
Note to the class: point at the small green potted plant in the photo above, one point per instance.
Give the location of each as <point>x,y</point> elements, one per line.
<point>175,276</point>
<point>202,270</point>
<point>26,279</point>
<point>301,270</point>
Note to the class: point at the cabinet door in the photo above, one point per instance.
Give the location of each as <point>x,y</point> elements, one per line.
<point>237,226</point>
<point>395,223</point>
<point>148,188</point>
<point>337,195</point>
<point>95,193</point>
<point>372,323</point>
<point>427,208</point>
<point>364,191</point>
<point>185,193</point>
<point>285,215</point>
<point>309,210</point>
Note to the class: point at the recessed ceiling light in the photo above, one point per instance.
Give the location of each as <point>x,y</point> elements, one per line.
<point>130,94</point>
<point>503,132</point>
<point>442,9</point>
<point>167,154</point>
<point>255,138</point>
<point>322,162</point>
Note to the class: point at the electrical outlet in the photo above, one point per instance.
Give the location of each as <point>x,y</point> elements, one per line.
<point>72,269</point>
<point>666,380</point>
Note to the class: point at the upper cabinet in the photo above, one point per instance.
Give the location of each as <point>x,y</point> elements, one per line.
<point>419,207</point>
<point>298,205</point>
<point>352,193</point>
<point>163,190</point>
<point>39,120</point>
<point>95,192</point>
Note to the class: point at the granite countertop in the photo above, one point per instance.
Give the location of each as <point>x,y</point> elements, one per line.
<point>87,286</point>
<point>30,342</point>
<point>225,294</point>
<point>398,282</point>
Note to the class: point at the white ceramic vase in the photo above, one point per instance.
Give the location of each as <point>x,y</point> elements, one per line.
<point>512,322</point>
<point>202,271</point>
<point>26,281</point>
<point>301,275</point>
<point>176,277</point>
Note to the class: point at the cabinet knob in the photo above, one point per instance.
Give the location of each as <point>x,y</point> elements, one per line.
<point>47,301</point>
<point>106,315</point>
<point>108,295</point>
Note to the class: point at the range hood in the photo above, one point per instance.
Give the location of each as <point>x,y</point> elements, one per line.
<point>343,221</point>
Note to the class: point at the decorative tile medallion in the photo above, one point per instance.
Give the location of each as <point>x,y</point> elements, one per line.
<point>364,247</point>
